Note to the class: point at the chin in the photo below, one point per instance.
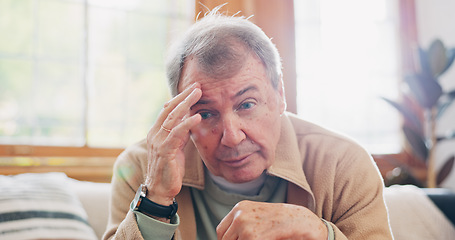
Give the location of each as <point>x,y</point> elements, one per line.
<point>242,177</point>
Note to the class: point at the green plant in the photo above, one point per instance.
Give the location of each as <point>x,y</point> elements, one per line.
<point>423,102</point>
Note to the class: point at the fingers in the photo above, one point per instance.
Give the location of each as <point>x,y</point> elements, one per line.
<point>179,135</point>
<point>224,225</point>
<point>174,112</point>
<point>225,229</point>
<point>178,114</point>
<point>259,220</point>
<point>173,103</point>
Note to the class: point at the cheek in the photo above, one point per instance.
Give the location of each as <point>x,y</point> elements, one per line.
<point>204,138</point>
<point>199,133</point>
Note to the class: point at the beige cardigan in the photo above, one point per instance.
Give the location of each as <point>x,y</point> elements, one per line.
<point>329,174</point>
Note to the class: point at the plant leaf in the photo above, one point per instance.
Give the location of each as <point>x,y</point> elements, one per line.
<point>451,94</point>
<point>437,58</point>
<point>448,99</point>
<point>407,114</point>
<point>424,63</point>
<point>417,143</point>
<point>445,170</point>
<point>442,109</point>
<point>448,136</point>
<point>424,88</point>
<point>450,58</point>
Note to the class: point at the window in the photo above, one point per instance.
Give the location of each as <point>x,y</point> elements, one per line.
<point>84,72</point>
<point>347,58</point>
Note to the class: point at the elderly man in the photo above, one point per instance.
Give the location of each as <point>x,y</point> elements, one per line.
<point>237,164</point>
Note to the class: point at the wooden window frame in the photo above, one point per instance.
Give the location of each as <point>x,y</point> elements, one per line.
<point>82,163</point>
<point>51,151</point>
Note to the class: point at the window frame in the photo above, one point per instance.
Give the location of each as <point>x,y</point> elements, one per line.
<point>53,151</point>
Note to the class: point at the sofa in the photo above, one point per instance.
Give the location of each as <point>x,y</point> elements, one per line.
<point>52,206</point>
<point>413,214</point>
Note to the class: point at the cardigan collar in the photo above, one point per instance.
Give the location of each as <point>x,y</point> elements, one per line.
<point>288,162</point>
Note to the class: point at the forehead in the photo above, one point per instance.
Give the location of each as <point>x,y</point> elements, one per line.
<point>252,73</point>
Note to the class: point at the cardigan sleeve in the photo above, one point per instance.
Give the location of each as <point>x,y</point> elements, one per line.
<point>153,229</point>
<point>330,232</point>
<point>126,178</point>
<point>359,210</point>
<point>345,182</point>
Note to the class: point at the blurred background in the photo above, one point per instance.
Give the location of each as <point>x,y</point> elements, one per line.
<point>80,80</point>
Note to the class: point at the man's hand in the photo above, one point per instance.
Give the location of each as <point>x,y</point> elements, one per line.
<point>258,220</point>
<point>165,143</point>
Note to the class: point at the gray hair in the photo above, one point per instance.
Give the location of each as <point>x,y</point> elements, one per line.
<point>214,41</point>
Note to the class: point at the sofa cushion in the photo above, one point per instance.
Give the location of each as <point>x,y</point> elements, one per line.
<point>95,200</point>
<point>41,206</point>
<point>414,216</point>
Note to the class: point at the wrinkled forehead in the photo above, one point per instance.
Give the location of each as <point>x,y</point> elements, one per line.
<point>248,68</point>
<point>192,72</point>
<point>223,60</point>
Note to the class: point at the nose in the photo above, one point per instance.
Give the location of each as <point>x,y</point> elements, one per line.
<point>233,132</point>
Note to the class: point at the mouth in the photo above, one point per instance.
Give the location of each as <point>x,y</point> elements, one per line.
<point>237,162</point>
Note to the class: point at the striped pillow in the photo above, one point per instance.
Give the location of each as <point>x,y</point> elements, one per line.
<point>41,206</point>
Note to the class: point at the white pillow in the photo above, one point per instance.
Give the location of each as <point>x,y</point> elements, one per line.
<point>41,206</point>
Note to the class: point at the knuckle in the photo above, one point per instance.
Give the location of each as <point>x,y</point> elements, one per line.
<point>171,116</point>
<point>242,204</point>
<point>166,104</point>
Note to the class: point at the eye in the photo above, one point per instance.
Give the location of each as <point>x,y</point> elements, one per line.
<point>205,115</point>
<point>247,105</point>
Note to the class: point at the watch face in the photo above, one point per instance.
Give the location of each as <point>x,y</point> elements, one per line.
<point>137,199</point>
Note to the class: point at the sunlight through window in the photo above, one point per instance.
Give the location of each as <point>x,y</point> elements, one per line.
<point>347,58</point>
<point>84,72</point>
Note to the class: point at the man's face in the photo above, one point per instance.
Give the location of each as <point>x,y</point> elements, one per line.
<point>240,125</point>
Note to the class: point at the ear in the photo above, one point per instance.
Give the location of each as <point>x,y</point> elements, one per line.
<point>282,100</point>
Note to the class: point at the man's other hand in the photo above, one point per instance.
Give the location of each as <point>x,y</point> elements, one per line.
<point>258,220</point>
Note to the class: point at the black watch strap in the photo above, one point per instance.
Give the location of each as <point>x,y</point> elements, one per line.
<point>158,210</point>
<point>146,206</point>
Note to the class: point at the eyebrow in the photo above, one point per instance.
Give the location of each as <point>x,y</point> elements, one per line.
<point>238,94</point>
<point>241,92</point>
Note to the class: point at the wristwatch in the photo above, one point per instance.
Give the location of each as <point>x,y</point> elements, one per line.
<point>144,205</point>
